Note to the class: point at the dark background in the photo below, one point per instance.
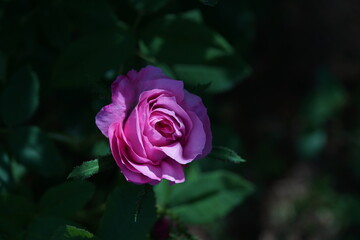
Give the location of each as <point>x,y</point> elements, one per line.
<point>295,117</point>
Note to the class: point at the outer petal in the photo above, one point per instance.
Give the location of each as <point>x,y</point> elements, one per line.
<point>130,176</point>
<point>133,133</point>
<point>175,87</point>
<point>126,88</point>
<point>195,143</point>
<point>195,104</point>
<point>172,171</point>
<point>167,169</point>
<point>151,73</point>
<point>108,115</point>
<point>137,178</point>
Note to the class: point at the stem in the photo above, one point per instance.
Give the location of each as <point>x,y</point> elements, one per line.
<point>141,200</point>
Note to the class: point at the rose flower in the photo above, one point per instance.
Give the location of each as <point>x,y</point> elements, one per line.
<point>154,126</point>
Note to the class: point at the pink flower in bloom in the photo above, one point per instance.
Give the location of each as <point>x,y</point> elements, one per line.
<point>154,126</point>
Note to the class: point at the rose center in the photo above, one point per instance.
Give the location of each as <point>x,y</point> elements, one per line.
<point>165,128</point>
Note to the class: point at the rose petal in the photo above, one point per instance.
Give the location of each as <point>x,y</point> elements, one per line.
<point>168,169</point>
<point>126,88</point>
<point>195,104</point>
<point>137,178</point>
<point>108,115</point>
<point>133,133</point>
<point>173,86</point>
<point>149,73</point>
<point>172,171</point>
<point>194,145</point>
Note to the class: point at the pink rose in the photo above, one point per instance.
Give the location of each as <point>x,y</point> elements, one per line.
<point>154,126</point>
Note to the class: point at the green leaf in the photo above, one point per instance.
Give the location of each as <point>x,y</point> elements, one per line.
<point>20,97</point>
<point>88,59</point>
<point>203,211</point>
<point>55,25</point>
<point>225,154</point>
<point>35,150</point>
<point>148,6</point>
<point>118,220</point>
<point>43,228</point>
<point>6,177</point>
<point>211,3</point>
<point>18,171</point>
<point>219,79</point>
<point>72,233</point>
<point>89,168</point>
<point>91,16</point>
<point>193,15</point>
<point>176,39</point>
<point>193,201</point>
<point>197,54</point>
<point>16,213</point>
<point>311,144</point>
<point>326,100</point>
<point>66,199</point>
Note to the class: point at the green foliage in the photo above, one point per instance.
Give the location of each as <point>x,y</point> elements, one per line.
<point>6,177</point>
<point>79,65</point>
<point>148,6</point>
<point>312,143</point>
<point>43,228</point>
<point>326,100</point>
<point>209,2</point>
<point>185,44</point>
<point>16,213</point>
<point>225,154</point>
<point>34,149</point>
<point>118,221</point>
<point>323,104</point>
<point>65,199</point>
<point>91,16</point>
<point>72,233</point>
<point>89,168</point>
<point>194,200</point>
<point>20,97</point>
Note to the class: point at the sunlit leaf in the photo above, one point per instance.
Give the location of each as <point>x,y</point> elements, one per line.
<point>89,168</point>
<point>194,200</point>
<point>225,154</point>
<point>43,228</point>
<point>72,233</point>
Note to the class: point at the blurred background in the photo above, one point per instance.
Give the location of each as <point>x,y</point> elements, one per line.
<point>280,80</point>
